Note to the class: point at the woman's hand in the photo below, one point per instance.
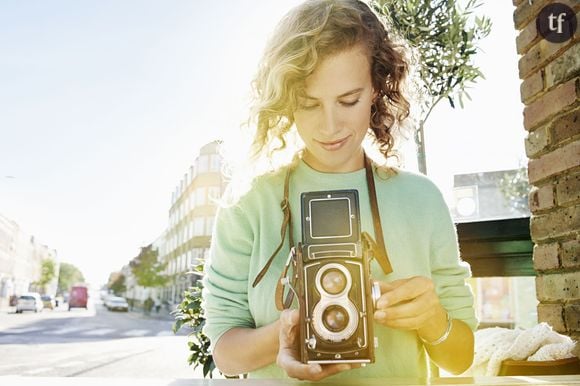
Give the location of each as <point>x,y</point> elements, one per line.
<point>288,355</point>
<point>412,304</point>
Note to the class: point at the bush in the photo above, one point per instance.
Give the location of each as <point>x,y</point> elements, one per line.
<point>190,313</point>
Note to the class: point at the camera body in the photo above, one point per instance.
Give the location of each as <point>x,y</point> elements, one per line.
<point>333,281</point>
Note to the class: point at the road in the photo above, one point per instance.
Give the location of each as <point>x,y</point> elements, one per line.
<point>92,343</point>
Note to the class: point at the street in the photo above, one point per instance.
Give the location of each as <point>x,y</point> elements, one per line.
<point>92,343</point>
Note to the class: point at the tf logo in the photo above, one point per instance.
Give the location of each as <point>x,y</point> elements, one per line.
<point>557,23</point>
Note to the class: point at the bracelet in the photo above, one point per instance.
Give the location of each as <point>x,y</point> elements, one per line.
<point>443,337</point>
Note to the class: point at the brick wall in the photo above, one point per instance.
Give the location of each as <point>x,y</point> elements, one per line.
<point>550,90</point>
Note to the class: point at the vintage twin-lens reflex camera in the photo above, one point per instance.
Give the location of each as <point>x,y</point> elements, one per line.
<point>333,283</point>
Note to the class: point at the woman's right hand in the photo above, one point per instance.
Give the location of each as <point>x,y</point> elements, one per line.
<point>288,355</point>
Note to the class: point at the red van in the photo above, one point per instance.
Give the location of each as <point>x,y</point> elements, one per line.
<point>78,297</point>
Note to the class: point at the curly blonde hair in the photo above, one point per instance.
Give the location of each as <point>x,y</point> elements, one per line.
<point>308,34</point>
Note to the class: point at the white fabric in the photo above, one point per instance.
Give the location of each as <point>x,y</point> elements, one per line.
<point>539,343</point>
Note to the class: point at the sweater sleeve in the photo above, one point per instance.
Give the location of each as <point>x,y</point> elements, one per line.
<point>225,283</point>
<point>448,271</point>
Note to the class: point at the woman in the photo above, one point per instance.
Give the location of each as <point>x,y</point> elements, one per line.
<point>332,72</point>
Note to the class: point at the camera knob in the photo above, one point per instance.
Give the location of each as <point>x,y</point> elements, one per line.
<point>312,342</point>
<point>375,293</point>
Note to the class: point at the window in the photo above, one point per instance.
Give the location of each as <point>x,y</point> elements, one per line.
<point>208,226</point>
<point>508,302</point>
<point>214,163</point>
<point>202,164</point>
<point>198,223</point>
<point>200,196</point>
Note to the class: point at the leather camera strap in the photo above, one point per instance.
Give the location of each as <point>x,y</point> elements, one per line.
<point>286,224</point>
<point>380,252</point>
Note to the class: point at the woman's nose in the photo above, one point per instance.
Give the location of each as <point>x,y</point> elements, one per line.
<point>329,126</point>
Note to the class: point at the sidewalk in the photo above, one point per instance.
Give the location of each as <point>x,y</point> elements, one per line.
<point>6,309</point>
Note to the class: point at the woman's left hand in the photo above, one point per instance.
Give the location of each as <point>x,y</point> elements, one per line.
<point>411,304</point>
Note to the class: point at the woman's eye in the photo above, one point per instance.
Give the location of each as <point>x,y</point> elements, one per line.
<point>312,107</point>
<point>349,104</point>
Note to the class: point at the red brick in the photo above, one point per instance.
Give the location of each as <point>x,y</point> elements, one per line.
<point>564,67</point>
<point>568,189</point>
<point>527,37</point>
<point>553,314</point>
<point>556,224</point>
<point>566,127</point>
<point>552,102</point>
<point>558,286</point>
<point>532,86</point>
<point>537,142</point>
<point>571,254</point>
<point>546,256</point>
<point>572,317</point>
<point>557,161</point>
<point>525,12</point>
<point>541,198</point>
<point>541,53</point>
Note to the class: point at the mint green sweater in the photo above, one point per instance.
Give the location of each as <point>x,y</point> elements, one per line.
<point>419,235</point>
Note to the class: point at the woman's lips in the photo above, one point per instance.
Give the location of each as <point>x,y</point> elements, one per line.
<point>335,145</point>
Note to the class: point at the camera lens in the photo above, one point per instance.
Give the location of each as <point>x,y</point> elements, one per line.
<point>335,318</point>
<point>333,281</point>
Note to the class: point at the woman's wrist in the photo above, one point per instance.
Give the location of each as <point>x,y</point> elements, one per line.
<point>437,330</point>
<point>444,336</point>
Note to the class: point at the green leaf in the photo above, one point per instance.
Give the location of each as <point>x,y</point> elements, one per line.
<point>451,102</point>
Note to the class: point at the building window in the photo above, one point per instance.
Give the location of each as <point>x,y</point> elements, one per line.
<point>214,163</point>
<point>200,196</point>
<point>202,164</point>
<point>208,225</point>
<point>198,225</point>
<point>508,302</point>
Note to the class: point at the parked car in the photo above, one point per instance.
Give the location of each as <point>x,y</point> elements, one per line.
<point>78,297</point>
<point>48,301</point>
<point>116,303</point>
<point>29,302</point>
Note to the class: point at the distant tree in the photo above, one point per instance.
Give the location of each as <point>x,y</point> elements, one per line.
<point>68,275</point>
<point>147,268</point>
<point>47,273</point>
<point>444,42</point>
<point>516,189</point>
<point>117,283</point>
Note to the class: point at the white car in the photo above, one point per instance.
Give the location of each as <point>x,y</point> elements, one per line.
<point>29,302</point>
<point>116,303</point>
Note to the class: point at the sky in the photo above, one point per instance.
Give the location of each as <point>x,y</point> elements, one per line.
<point>105,104</point>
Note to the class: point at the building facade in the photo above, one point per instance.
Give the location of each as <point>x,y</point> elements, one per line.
<point>21,257</point>
<point>191,216</point>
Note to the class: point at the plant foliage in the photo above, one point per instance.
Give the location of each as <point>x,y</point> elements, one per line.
<point>147,268</point>
<point>444,41</point>
<point>67,276</point>
<point>190,313</point>
<point>47,273</point>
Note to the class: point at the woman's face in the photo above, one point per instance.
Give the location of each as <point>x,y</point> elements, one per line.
<point>334,116</point>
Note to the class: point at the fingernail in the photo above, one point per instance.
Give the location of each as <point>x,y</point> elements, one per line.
<point>380,315</point>
<point>315,369</point>
<point>382,304</point>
